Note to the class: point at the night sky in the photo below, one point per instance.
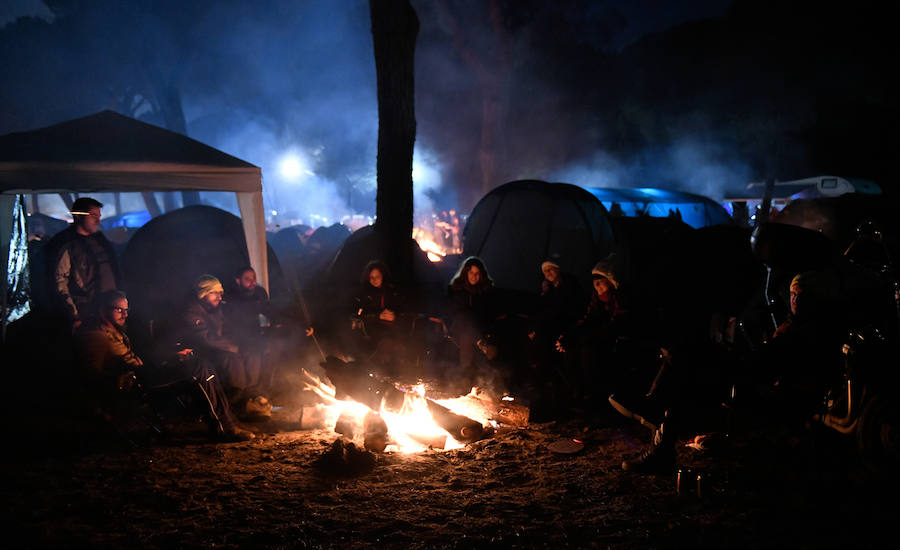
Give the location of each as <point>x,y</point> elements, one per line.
<point>699,96</point>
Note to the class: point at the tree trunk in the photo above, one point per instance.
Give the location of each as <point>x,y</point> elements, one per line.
<point>394,30</point>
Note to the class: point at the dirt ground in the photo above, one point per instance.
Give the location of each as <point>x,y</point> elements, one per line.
<point>506,491</point>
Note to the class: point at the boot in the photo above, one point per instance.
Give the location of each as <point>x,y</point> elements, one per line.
<point>236,433</point>
<point>659,459</point>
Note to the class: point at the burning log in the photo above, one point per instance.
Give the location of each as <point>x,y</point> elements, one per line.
<point>433,441</point>
<point>350,380</point>
<point>312,417</point>
<point>347,425</point>
<point>376,430</point>
<point>507,412</point>
<point>462,428</point>
<point>504,411</point>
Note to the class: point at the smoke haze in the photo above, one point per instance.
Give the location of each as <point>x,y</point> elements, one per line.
<point>598,94</point>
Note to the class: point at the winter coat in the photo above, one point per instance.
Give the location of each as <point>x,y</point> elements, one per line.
<point>203,329</point>
<point>559,307</point>
<point>105,354</point>
<point>370,301</point>
<point>241,311</point>
<point>477,308</point>
<point>82,267</point>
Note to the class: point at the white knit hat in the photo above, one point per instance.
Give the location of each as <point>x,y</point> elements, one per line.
<point>604,269</point>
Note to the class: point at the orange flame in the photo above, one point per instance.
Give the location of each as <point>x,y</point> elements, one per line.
<point>411,429</point>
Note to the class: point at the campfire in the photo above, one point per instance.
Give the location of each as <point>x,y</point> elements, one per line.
<point>395,418</point>
<point>438,235</point>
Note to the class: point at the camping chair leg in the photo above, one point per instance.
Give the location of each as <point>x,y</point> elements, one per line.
<point>214,418</point>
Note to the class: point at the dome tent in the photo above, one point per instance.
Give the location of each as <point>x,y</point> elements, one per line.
<point>166,255</point>
<point>695,210</point>
<point>520,224</point>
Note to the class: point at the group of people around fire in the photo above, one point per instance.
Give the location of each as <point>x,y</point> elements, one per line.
<point>574,346</point>
<point>217,353</point>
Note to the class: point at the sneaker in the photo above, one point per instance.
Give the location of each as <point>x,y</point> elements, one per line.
<point>643,411</point>
<point>257,408</point>
<point>657,460</point>
<point>234,434</point>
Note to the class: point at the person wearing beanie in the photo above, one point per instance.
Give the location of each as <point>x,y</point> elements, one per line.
<point>203,326</point>
<point>112,372</point>
<point>588,345</point>
<point>804,352</point>
<point>603,270</point>
<point>561,303</point>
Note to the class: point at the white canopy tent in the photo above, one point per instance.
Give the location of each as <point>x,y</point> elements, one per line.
<point>109,152</point>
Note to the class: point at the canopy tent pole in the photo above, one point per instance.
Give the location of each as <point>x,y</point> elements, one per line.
<point>254,221</point>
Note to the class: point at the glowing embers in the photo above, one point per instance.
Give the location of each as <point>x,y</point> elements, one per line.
<point>408,421</point>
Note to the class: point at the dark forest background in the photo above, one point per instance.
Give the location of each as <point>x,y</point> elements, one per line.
<point>593,93</point>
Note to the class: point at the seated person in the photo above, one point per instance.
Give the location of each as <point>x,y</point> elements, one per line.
<point>797,366</point>
<point>589,344</point>
<point>112,368</point>
<point>250,323</point>
<point>560,306</point>
<point>473,307</point>
<point>803,357</point>
<point>203,330</point>
<point>377,307</point>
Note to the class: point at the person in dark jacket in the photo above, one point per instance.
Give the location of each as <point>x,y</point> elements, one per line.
<point>804,355</point>
<point>376,315</point>
<point>796,368</point>
<point>590,343</point>
<point>251,323</point>
<point>473,307</point>
<point>82,263</point>
<point>560,306</point>
<point>246,307</point>
<point>111,369</point>
<point>203,325</point>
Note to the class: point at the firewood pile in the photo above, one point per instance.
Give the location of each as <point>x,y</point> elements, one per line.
<point>462,420</point>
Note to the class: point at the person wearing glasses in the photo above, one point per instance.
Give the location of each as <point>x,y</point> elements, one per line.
<point>83,263</point>
<point>111,371</point>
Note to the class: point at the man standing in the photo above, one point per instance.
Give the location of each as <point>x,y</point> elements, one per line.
<point>83,262</point>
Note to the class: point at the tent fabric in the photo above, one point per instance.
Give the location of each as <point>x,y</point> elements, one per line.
<point>695,210</point>
<point>520,224</point>
<point>165,256</point>
<point>112,152</point>
<point>14,298</point>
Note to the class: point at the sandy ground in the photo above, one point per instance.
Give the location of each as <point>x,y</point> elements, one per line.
<point>507,491</point>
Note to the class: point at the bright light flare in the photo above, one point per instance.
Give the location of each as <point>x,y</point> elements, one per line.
<point>292,167</point>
